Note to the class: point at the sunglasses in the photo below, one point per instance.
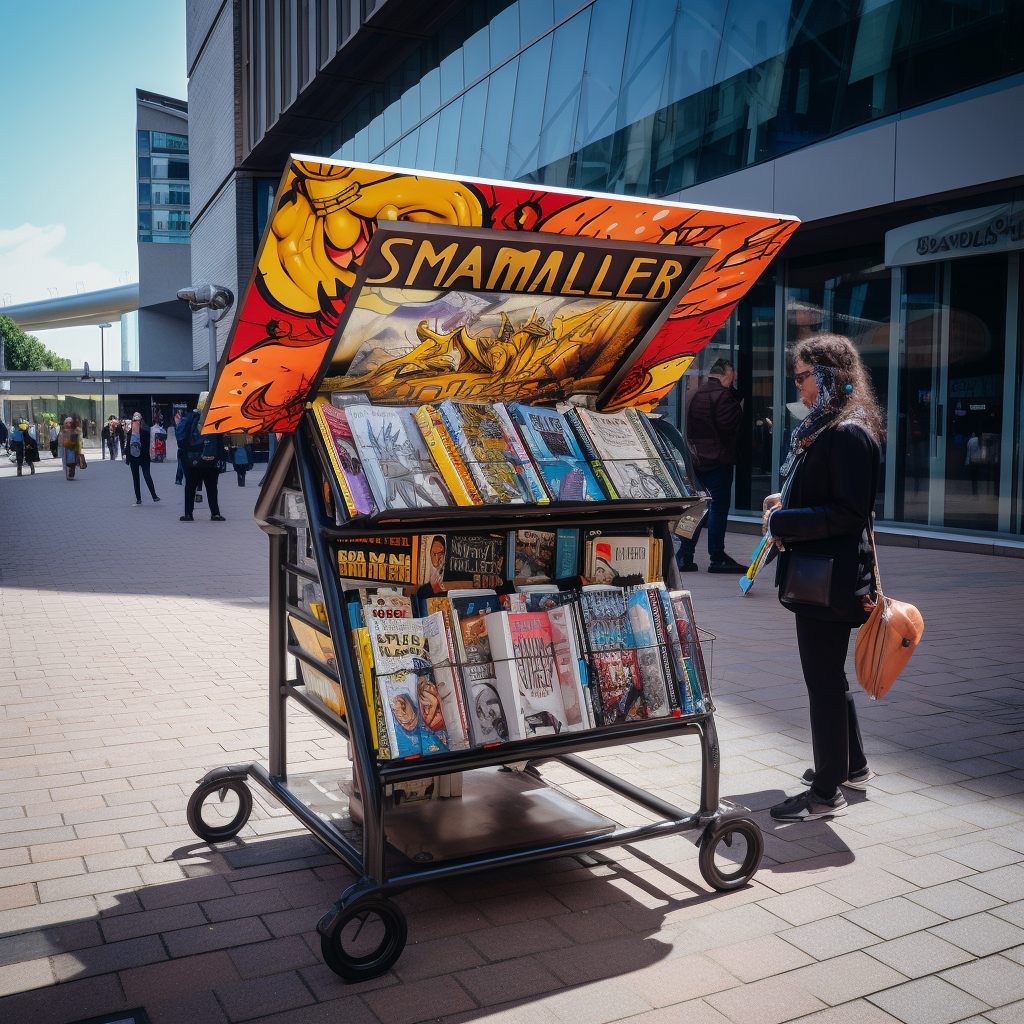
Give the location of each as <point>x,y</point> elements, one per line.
<point>799,378</point>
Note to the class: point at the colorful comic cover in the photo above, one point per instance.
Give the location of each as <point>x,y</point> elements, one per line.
<point>446,456</point>
<point>634,472</point>
<point>567,665</point>
<point>655,672</point>
<point>478,435</point>
<point>476,560</point>
<point>395,458</point>
<point>683,686</point>
<point>539,689</point>
<point>405,696</point>
<point>446,679</point>
<point>533,554</point>
<point>553,447</point>
<point>610,557</point>
<point>619,687</point>
<point>391,559</point>
<point>345,461</point>
<point>520,457</point>
<point>567,543</point>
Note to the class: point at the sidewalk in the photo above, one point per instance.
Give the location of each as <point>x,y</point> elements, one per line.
<point>133,658</point>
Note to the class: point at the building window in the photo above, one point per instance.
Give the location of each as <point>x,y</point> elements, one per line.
<point>143,142</point>
<point>144,194</point>
<point>164,142</point>
<point>143,166</point>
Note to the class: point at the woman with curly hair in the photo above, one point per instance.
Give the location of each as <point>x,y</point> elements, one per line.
<point>822,526</point>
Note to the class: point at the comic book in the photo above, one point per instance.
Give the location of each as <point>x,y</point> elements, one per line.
<point>395,642</point>
<point>635,468</point>
<point>571,677</point>
<point>655,670</point>
<point>532,553</point>
<point>679,670</point>
<point>549,440</point>
<point>460,561</point>
<point>611,556</point>
<point>593,459</point>
<point>609,639</point>
<point>446,456</point>
<point>344,458</point>
<point>478,435</point>
<point>313,642</point>
<point>395,458</point>
<point>401,695</point>
<point>674,460</point>
<point>620,693</point>
<point>384,603</point>
<point>446,678</point>
<point>517,452</point>
<point>567,542</point>
<point>322,687</point>
<point>690,648</point>
<point>391,559</point>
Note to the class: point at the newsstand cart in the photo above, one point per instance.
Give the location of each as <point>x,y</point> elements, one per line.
<point>504,816</point>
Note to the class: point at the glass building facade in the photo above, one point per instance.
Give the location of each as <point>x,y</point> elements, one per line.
<point>163,187</point>
<point>648,97</point>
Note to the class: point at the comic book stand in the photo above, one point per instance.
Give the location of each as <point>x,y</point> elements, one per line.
<point>504,817</point>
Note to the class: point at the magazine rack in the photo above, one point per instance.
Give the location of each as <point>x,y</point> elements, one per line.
<point>292,338</point>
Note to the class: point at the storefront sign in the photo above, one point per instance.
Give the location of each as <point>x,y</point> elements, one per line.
<point>970,233</point>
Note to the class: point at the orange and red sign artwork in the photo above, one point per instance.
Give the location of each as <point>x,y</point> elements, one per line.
<point>325,215</point>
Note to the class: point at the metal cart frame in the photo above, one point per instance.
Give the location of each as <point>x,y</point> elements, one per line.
<point>301,453</point>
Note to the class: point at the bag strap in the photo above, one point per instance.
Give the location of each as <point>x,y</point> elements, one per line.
<point>874,553</point>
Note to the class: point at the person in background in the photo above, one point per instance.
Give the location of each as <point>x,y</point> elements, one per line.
<point>126,426</point>
<point>179,476</point>
<point>712,423</point>
<point>5,437</point>
<point>70,443</point>
<point>203,456</point>
<point>54,433</point>
<point>138,457</point>
<point>19,435</point>
<point>824,512</point>
<point>109,437</point>
<point>241,455</point>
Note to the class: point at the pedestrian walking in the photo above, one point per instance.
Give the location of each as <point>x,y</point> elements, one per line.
<point>108,436</point>
<point>712,423</point>
<point>54,432</point>
<point>241,455</point>
<point>203,458</point>
<point>179,476</point>
<point>69,442</point>
<point>138,457</point>
<point>19,439</point>
<point>822,525</point>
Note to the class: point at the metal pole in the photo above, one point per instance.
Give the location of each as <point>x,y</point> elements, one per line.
<point>103,387</point>
<point>211,326</point>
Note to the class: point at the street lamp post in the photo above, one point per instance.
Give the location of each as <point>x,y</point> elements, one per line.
<point>103,385</point>
<point>213,298</point>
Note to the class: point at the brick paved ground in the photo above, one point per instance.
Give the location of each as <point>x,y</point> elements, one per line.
<point>132,659</point>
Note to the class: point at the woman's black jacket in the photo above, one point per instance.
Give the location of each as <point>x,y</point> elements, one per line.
<point>828,512</point>
<point>143,458</point>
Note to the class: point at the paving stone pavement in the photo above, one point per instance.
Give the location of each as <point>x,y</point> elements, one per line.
<point>133,658</point>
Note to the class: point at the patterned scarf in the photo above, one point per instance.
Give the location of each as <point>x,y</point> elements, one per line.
<point>822,416</point>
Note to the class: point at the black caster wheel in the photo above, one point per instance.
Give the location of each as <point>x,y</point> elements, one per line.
<point>218,810</point>
<point>365,939</point>
<point>730,852</point>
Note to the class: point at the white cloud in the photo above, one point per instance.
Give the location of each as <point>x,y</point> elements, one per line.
<point>30,264</point>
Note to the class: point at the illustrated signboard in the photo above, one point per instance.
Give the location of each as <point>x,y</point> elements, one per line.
<point>411,287</point>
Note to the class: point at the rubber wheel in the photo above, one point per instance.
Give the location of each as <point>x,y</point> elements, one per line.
<point>221,828</point>
<point>367,939</point>
<point>742,861</point>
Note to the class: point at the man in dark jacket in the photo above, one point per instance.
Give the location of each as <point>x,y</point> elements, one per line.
<point>201,454</point>
<point>138,456</point>
<point>712,422</point>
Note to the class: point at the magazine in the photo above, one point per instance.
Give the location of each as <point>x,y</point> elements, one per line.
<point>395,458</point>
<point>655,674</point>
<point>478,435</point>
<point>571,678</point>
<point>635,472</point>
<point>610,557</point>
<point>446,679</point>
<point>553,447</point>
<point>532,552</point>
<point>391,559</point>
<point>459,561</point>
<point>345,461</point>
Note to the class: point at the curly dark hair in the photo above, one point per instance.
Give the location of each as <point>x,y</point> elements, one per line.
<point>838,353</point>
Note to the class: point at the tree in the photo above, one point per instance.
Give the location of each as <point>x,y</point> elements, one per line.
<point>23,351</point>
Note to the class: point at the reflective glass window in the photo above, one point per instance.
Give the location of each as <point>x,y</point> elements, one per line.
<point>407,149</point>
<point>392,122</point>
<point>525,131</point>
<point>605,51</point>
<point>376,137</point>
<point>647,53</point>
<point>476,53</point>
<point>144,194</point>
<point>474,104</point>
<point>426,148</point>
<point>348,150</point>
<point>390,156</point>
<point>411,108</point>
<point>451,76</point>
<point>144,167</point>
<point>361,145</point>
<point>448,137</point>
<point>568,50</point>
<point>504,32</point>
<point>754,31</point>
<point>145,220</point>
<point>430,91</point>
<point>497,120</point>
<point>535,16</point>
<point>164,142</point>
<point>143,138</point>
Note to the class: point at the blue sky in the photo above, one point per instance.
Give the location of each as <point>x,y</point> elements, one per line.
<point>68,77</point>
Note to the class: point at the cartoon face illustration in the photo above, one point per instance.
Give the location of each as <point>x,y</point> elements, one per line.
<point>405,711</point>
<point>489,714</point>
<point>430,704</point>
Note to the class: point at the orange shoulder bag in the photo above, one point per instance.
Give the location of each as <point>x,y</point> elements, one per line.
<point>887,640</point>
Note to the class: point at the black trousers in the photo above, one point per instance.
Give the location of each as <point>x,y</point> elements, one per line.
<point>207,476</point>
<point>835,734</point>
<point>136,464</point>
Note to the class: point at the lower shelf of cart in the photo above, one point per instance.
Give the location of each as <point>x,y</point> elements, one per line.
<point>498,810</point>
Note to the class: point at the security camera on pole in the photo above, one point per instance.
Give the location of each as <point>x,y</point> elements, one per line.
<point>213,298</point>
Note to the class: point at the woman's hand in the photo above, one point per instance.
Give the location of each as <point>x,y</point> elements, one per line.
<point>866,603</point>
<point>768,506</point>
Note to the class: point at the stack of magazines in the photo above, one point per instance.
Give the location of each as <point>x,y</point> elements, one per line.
<point>474,668</point>
<point>465,453</point>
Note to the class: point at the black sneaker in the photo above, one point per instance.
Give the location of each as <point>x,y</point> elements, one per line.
<point>186,519</point>
<point>688,565</point>
<point>856,780</point>
<point>727,565</point>
<point>218,519</point>
<point>808,806</point>
<point>155,498</point>
<point>139,502</point>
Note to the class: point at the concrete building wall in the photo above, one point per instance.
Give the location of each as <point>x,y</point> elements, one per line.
<point>164,340</point>
<point>163,269</point>
<point>150,117</point>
